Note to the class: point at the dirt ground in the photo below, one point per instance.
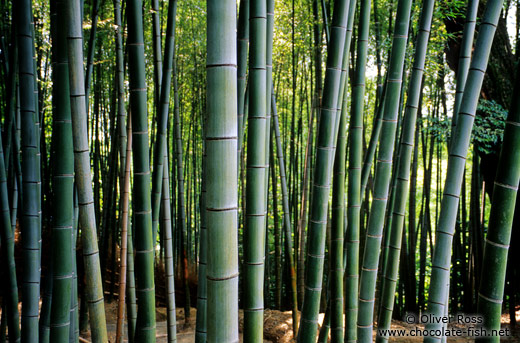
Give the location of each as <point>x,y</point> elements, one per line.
<point>277,327</point>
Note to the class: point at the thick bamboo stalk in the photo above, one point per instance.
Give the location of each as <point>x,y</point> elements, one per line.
<point>354,176</point>
<point>338,220</point>
<point>83,178</point>
<point>441,262</point>
<point>141,202</point>
<point>321,187</point>
<point>406,147</point>
<point>63,186</point>
<point>491,292</point>
<point>254,232</point>
<point>221,173</point>
<point>374,233</point>
<point>30,221</point>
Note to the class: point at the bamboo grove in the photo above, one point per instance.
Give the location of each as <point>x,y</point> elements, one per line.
<point>187,170</point>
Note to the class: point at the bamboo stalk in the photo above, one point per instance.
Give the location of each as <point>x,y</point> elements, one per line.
<point>321,187</point>
<point>254,231</point>
<point>221,173</point>
<point>141,202</point>
<point>439,289</point>
<point>83,179</point>
<point>374,232</point>
<point>124,238</point>
<point>406,147</point>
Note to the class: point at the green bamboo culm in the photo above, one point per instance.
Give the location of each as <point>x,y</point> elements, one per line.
<point>438,290</point>
<point>181,219</point>
<point>7,230</point>
<point>242,45</point>
<point>144,247</point>
<point>168,254</point>
<point>30,221</point>
<point>354,176</point>
<point>221,173</point>
<point>131,298</point>
<point>254,231</point>
<point>202,289</point>
<point>338,218</point>
<point>464,57</point>
<point>124,218</point>
<point>11,301</point>
<point>83,178</point>
<point>406,146</point>
<point>10,315</point>
<point>158,63</point>
<point>372,144</point>
<point>491,292</point>
<point>374,233</point>
<point>63,185</point>
<point>343,81</point>
<point>286,213</point>
<point>337,232</point>
<point>74,314</point>
<point>269,86</point>
<point>322,176</point>
<point>162,117</point>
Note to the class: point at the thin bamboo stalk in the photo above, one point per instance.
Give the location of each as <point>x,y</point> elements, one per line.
<point>464,57</point>
<point>286,214</point>
<point>163,116</point>
<point>202,289</point>
<point>10,315</point>
<point>124,238</point>
<point>167,227</point>
<point>242,45</point>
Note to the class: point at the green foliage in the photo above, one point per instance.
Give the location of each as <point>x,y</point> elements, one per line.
<point>438,127</point>
<point>489,126</point>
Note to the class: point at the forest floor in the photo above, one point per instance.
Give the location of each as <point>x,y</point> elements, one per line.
<point>277,327</point>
